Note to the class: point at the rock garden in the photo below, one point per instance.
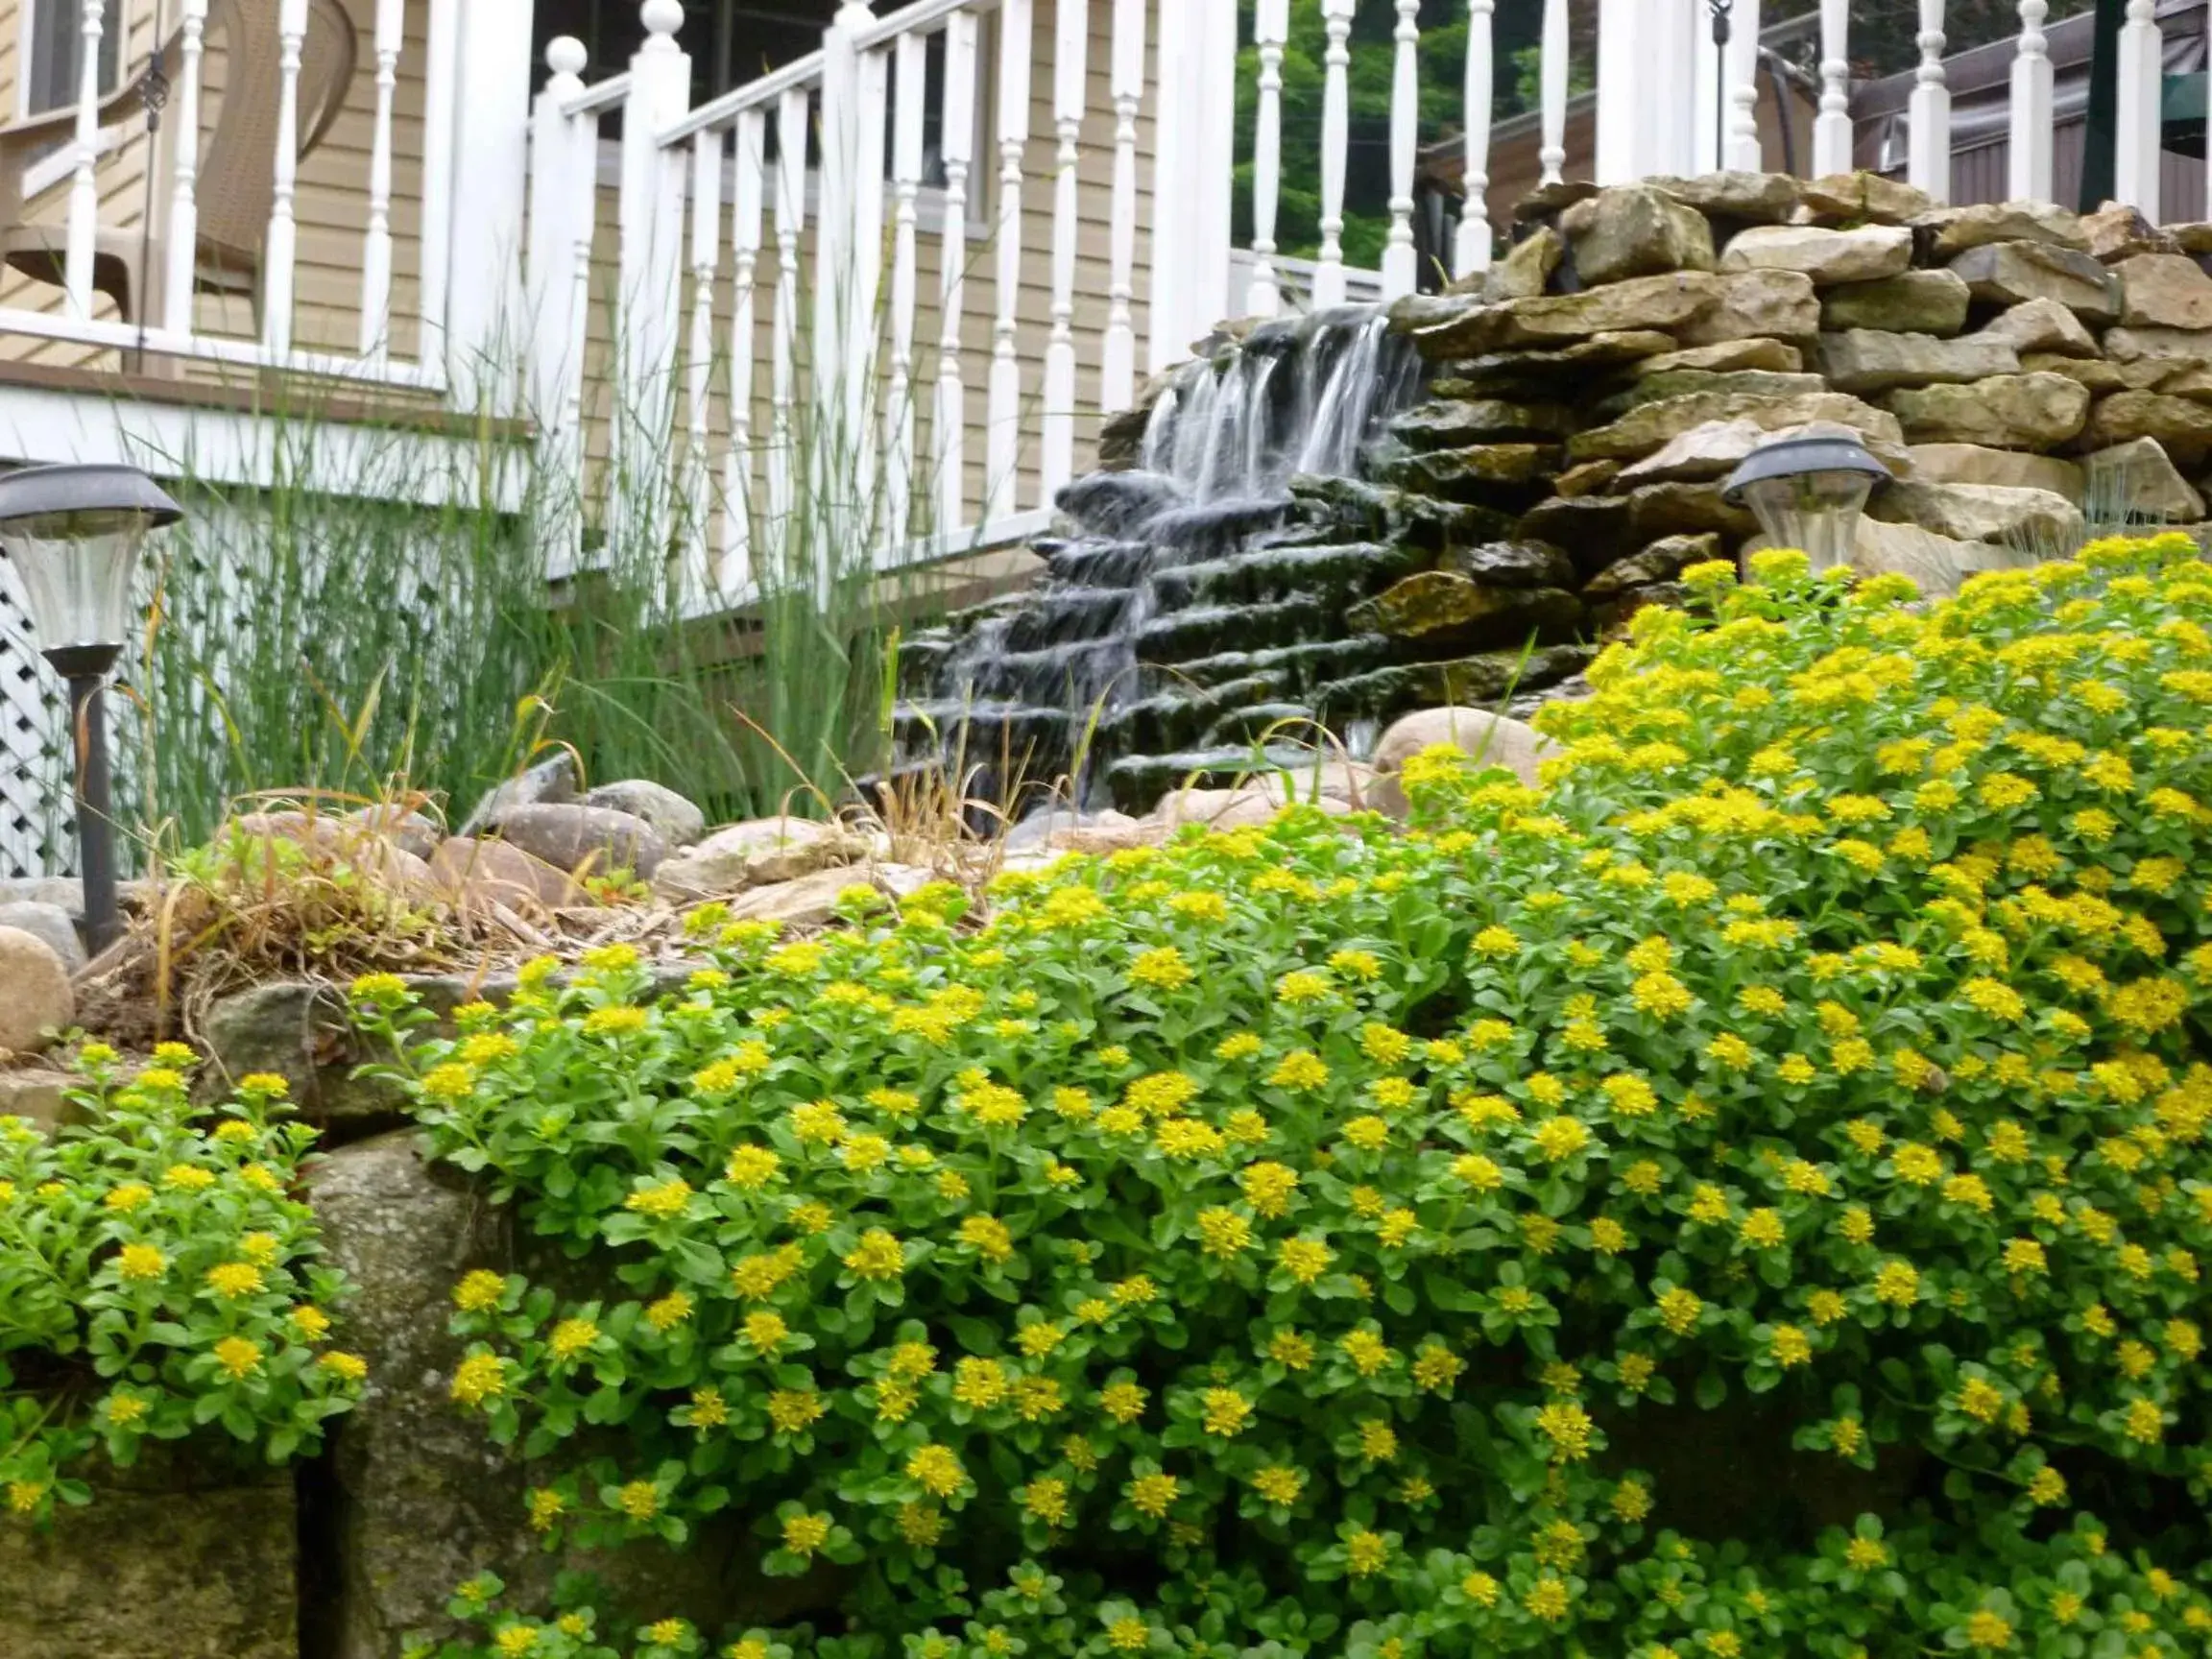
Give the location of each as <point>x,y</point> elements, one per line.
<point>1675,1129</point>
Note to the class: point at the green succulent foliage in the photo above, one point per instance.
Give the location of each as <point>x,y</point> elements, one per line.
<point>160,1280</point>
<point>1324,1238</point>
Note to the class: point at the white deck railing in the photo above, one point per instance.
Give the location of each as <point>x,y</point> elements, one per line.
<point>777,195</point>
<point>161,221</point>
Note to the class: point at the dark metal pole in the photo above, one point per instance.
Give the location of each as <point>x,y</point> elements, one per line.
<point>87,667</point>
<point>1721,29</point>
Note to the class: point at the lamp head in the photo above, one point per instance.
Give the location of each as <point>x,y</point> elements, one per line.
<point>1807,492</point>
<point>73,534</point>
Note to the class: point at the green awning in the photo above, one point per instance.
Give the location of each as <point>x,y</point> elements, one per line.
<point>2181,107</point>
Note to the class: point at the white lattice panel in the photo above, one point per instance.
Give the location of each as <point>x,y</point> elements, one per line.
<point>34,839</point>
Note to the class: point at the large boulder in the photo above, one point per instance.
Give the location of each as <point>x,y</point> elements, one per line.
<point>1748,198</point>
<point>1756,306</point>
<point>581,840</point>
<point>2009,272</point>
<point>419,1498</point>
<point>2006,411</point>
<point>676,820</point>
<point>1862,255</point>
<point>2183,426</point>
<point>1498,474</point>
<point>475,874</point>
<point>1980,511</point>
<point>1452,422</point>
<point>35,1000</point>
<point>1951,230</point>
<point>1649,425</point>
<point>2117,231</point>
<point>2139,477</point>
<point>555,779</point>
<point>1663,561</point>
<point>2041,325</point>
<point>163,1563</point>
<point>1635,231</point>
<point>1715,449</point>
<point>1492,739</point>
<point>48,923</point>
<point>1864,360</point>
<point>1863,199</point>
<point>1548,373</point>
<point>1937,563</point>
<point>1444,610</point>
<point>1524,273</point>
<point>2164,291</point>
<point>1725,356</point>
<point>38,1095</point>
<point>1909,303</point>
<point>756,853</point>
<point>1977,464</point>
<point>302,1031</point>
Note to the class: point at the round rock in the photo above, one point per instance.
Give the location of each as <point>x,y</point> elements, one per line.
<point>36,1000</point>
<point>569,836</point>
<point>51,924</point>
<point>678,821</point>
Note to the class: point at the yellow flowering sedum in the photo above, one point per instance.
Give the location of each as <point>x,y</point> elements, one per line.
<point>1317,1219</point>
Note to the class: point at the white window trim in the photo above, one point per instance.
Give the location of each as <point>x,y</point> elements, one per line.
<point>117,12</point>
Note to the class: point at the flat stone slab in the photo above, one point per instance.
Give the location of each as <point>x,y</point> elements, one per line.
<point>1865,360</point>
<point>1861,254</point>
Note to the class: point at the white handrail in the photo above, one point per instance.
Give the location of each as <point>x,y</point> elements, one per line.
<point>799,73</point>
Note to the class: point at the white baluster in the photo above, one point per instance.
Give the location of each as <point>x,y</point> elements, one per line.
<point>1741,153</point>
<point>2135,159</point>
<point>862,387</point>
<point>745,255</point>
<point>1399,274</point>
<point>1070,69</point>
<point>906,143</point>
<point>1003,451</point>
<point>2030,163</point>
<point>1675,127</point>
<point>1623,82</point>
<point>791,115</point>
<point>441,56</point>
<point>1832,127</point>
<point>1118,369</point>
<point>183,256</point>
<point>1928,111</point>
<point>83,187</point>
<point>1272,33</point>
<point>699,356</point>
<point>1552,78</point>
<point>1336,142</point>
<point>1473,250</point>
<point>947,428</point>
<point>376,245</point>
<point>562,183</point>
<point>280,256</point>
<point>583,227</point>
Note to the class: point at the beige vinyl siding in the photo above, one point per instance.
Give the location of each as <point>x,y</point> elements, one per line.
<point>331,206</point>
<point>1034,300</point>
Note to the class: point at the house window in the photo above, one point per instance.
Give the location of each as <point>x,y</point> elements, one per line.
<point>54,49</point>
<point>731,41</point>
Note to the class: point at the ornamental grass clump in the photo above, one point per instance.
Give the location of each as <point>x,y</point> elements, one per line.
<point>1326,1237</point>
<point>159,1281</point>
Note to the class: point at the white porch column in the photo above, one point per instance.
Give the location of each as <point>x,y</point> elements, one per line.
<point>1193,159</point>
<point>485,326</point>
<point>1625,84</point>
<point>2135,162</point>
<point>561,184</point>
<point>650,281</point>
<point>1673,34</point>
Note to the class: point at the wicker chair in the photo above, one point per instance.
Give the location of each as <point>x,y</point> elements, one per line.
<point>236,185</point>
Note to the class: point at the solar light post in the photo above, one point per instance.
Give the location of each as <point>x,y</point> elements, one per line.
<point>1808,493</point>
<point>73,534</point>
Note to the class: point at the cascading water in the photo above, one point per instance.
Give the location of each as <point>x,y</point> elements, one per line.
<point>1195,604</point>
